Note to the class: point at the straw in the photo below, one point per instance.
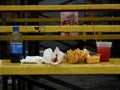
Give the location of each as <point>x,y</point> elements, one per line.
<point>94,31</point>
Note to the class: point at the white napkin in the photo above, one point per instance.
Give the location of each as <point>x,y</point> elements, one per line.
<point>32,59</point>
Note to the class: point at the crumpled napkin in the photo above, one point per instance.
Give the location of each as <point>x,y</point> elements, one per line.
<point>50,57</point>
<point>33,60</point>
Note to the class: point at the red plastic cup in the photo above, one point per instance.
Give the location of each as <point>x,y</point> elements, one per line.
<point>104,50</point>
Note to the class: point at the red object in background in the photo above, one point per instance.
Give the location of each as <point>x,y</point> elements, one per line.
<point>69,18</point>
<point>66,22</point>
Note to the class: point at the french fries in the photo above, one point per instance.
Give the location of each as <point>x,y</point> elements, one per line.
<point>76,56</point>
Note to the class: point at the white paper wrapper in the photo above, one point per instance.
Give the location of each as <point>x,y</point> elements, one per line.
<point>53,58</point>
<point>50,57</point>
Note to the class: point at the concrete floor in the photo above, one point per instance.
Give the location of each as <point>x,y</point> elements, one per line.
<point>88,82</point>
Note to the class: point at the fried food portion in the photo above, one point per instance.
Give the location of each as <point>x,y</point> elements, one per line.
<point>93,59</point>
<point>76,56</point>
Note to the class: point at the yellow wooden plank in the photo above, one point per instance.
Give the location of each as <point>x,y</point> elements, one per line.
<point>59,7</point>
<point>99,19</point>
<point>33,20</point>
<point>80,37</point>
<point>58,37</point>
<point>111,67</point>
<point>58,19</point>
<point>81,28</point>
<point>60,28</point>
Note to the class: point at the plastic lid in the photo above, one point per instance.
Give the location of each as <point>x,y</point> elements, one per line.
<point>15,28</point>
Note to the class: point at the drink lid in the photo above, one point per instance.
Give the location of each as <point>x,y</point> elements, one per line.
<point>15,28</point>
